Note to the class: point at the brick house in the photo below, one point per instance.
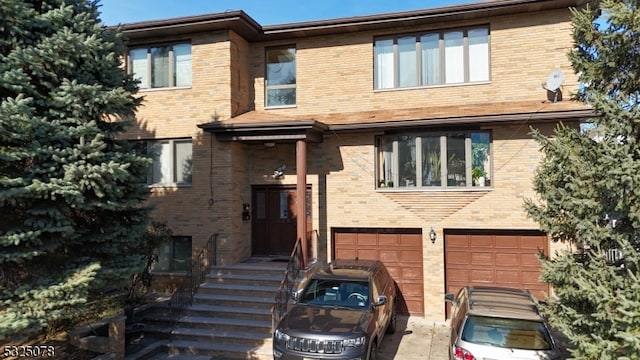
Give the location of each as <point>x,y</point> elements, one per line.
<point>407,135</point>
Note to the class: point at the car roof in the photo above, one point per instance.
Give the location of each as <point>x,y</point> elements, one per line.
<point>348,269</point>
<point>503,302</point>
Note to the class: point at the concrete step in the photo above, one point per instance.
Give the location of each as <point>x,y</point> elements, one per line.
<point>269,278</point>
<point>263,302</point>
<point>224,324</point>
<point>236,312</point>
<point>155,317</point>
<point>220,351</point>
<point>262,268</point>
<point>238,289</point>
<point>147,349</point>
<point>241,336</point>
<point>157,330</point>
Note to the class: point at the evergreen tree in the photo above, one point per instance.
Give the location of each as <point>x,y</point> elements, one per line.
<point>72,211</point>
<point>589,191</point>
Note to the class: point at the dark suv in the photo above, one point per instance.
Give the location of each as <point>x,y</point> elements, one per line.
<point>342,312</point>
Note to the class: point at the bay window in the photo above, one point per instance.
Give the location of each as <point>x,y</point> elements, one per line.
<point>432,58</point>
<point>460,159</point>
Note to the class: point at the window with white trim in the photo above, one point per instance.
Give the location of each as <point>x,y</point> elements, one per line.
<point>280,76</point>
<point>432,58</point>
<point>460,159</point>
<point>174,256</point>
<point>172,161</point>
<point>161,66</point>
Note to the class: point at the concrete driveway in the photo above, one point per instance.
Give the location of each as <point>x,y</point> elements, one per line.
<point>416,338</point>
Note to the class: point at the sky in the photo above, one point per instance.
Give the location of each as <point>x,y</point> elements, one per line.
<point>265,12</point>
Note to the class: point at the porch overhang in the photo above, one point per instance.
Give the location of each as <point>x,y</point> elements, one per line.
<point>281,131</point>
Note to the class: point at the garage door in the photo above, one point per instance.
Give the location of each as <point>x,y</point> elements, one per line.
<point>401,252</point>
<point>501,258</point>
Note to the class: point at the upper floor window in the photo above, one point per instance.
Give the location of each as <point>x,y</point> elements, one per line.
<point>161,66</point>
<point>442,160</point>
<point>432,58</point>
<point>280,76</point>
<point>172,161</point>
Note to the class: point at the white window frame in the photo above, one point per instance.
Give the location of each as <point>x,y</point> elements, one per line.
<point>168,162</point>
<point>179,62</point>
<point>473,60</point>
<point>268,87</point>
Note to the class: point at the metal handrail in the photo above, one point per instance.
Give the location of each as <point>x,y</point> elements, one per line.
<point>287,284</point>
<point>180,300</point>
<point>182,297</point>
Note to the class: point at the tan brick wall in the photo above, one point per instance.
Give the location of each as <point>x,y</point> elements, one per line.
<point>170,113</point>
<point>335,74</point>
<point>241,91</point>
<point>341,170</point>
<point>202,209</point>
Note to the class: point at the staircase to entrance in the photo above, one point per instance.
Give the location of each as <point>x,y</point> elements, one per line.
<point>230,316</point>
<point>229,313</point>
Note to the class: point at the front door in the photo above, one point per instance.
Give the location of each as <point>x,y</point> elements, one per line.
<point>274,219</point>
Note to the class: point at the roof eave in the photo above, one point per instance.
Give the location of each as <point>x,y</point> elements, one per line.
<point>551,116</point>
<point>479,10</point>
<point>236,20</point>
<point>248,28</point>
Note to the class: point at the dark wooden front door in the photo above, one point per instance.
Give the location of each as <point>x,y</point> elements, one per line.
<point>274,219</point>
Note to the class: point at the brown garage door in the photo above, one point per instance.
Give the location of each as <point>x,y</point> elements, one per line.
<point>401,252</point>
<point>502,258</point>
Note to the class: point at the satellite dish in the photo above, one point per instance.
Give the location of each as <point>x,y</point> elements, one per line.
<point>554,80</point>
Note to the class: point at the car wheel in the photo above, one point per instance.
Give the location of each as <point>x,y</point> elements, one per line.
<point>391,327</point>
<point>373,353</point>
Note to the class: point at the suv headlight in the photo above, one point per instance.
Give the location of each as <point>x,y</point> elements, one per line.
<point>280,336</point>
<point>359,341</point>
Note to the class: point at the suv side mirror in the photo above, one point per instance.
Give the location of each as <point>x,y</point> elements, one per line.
<point>450,299</point>
<point>295,294</point>
<point>381,300</point>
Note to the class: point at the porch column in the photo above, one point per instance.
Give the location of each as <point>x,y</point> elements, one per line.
<point>301,196</point>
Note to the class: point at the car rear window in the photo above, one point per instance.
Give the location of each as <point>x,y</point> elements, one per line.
<point>332,292</point>
<point>507,333</point>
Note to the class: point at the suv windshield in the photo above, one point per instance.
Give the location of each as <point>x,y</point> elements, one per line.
<point>333,292</point>
<point>508,333</point>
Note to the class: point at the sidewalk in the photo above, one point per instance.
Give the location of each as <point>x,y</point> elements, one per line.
<point>414,339</point>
